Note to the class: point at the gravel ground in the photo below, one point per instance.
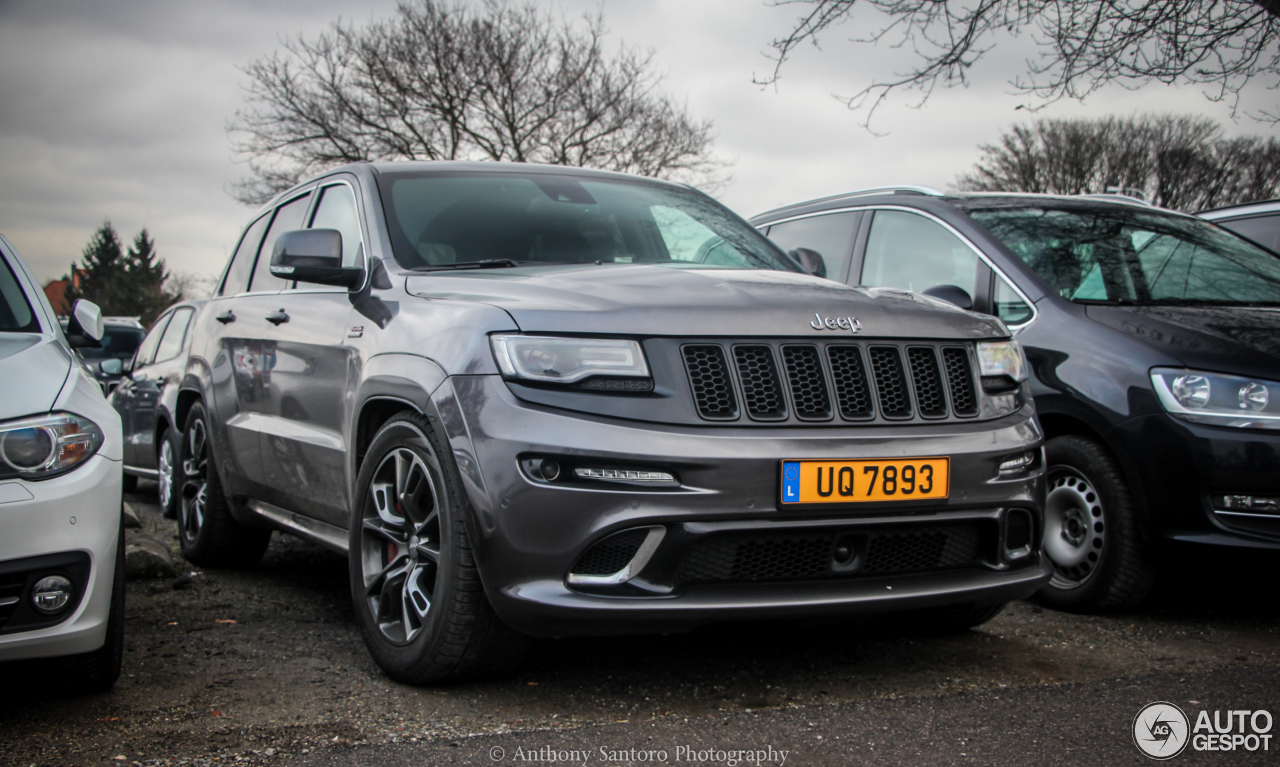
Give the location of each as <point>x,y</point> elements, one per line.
<point>267,666</point>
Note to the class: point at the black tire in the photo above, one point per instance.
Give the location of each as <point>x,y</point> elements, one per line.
<point>167,471</point>
<point>941,621</point>
<point>129,483</point>
<point>409,548</point>
<point>209,535</point>
<point>97,671</point>
<point>1093,535</point>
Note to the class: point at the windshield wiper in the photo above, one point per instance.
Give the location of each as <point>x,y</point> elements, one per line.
<point>488,263</point>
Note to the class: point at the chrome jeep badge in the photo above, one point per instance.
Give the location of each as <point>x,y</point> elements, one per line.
<point>850,324</point>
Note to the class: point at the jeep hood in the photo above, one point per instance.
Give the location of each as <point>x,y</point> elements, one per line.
<point>652,300</point>
<point>34,370</point>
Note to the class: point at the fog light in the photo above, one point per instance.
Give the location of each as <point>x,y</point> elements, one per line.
<point>1247,505</point>
<point>51,594</point>
<point>549,469</point>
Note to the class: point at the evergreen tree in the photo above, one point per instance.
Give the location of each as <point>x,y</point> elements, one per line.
<point>102,267</point>
<point>146,276</point>
<point>129,284</point>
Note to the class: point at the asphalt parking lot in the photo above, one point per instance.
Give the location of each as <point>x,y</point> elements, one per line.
<point>267,667</point>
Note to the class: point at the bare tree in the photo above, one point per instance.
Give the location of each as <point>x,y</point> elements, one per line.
<point>1083,44</point>
<point>1175,161</point>
<point>447,81</point>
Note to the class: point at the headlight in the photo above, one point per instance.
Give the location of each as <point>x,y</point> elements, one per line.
<point>1218,399</point>
<point>567,360</point>
<point>1002,358</point>
<point>46,446</point>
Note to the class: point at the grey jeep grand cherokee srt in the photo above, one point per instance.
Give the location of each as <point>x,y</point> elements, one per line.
<point>535,400</point>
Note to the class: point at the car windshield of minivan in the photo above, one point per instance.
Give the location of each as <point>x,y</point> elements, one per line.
<point>1136,257</point>
<point>442,221</point>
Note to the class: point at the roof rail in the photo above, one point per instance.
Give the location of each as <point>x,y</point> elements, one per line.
<point>927,191</point>
<point>1116,197</point>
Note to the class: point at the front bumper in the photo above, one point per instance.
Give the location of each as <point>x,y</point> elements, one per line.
<point>68,525</point>
<point>1185,470</point>
<point>531,533</point>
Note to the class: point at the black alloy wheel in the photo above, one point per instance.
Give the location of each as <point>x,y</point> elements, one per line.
<point>417,593</point>
<point>207,531</point>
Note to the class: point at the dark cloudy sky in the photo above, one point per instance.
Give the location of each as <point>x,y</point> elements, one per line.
<point>116,109</point>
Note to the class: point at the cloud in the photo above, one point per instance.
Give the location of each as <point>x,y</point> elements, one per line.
<point>117,110</point>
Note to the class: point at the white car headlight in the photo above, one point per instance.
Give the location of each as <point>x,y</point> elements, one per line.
<point>45,446</point>
<point>1002,358</point>
<point>567,360</point>
<point>1218,399</point>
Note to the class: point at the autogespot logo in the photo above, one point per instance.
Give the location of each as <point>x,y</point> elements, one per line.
<point>1160,730</point>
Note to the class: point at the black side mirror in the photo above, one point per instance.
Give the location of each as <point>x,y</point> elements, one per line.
<point>314,255</point>
<point>951,294</point>
<point>810,260</point>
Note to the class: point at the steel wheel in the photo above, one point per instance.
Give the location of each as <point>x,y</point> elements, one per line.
<point>195,485</point>
<point>400,545</point>
<point>1075,528</point>
<point>164,472</point>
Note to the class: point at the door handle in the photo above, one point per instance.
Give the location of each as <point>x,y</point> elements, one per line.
<point>225,317</point>
<point>278,317</point>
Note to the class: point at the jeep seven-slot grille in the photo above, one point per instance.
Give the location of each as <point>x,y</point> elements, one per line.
<point>831,381</point>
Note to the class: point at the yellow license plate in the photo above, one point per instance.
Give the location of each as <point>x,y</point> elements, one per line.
<point>907,479</point>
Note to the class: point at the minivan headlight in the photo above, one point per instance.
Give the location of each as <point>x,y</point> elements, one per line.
<point>567,360</point>
<point>1002,358</point>
<point>45,446</point>
<point>1218,399</point>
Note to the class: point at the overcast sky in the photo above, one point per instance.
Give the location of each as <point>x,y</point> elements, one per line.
<point>117,110</point>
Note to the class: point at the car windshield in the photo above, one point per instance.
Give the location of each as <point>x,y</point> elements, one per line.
<point>15,311</point>
<point>118,342</point>
<point>442,220</point>
<point>1110,255</point>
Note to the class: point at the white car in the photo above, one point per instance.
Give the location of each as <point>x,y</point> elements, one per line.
<point>61,452</point>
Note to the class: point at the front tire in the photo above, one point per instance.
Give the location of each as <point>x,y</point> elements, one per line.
<point>209,535</point>
<point>1093,535</point>
<point>417,593</point>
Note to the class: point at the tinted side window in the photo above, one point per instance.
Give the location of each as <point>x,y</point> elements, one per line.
<point>1264,230</point>
<point>288,217</point>
<point>337,210</point>
<point>147,349</point>
<point>237,280</point>
<point>831,235</point>
<point>912,252</point>
<point>171,342</point>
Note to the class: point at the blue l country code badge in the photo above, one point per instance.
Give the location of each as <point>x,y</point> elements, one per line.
<point>790,482</point>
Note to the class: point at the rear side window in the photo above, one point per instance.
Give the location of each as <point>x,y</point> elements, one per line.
<point>171,342</point>
<point>288,217</point>
<point>912,252</point>
<point>237,280</point>
<point>830,235</point>
<point>15,312</point>
<point>1264,230</point>
<point>147,350</point>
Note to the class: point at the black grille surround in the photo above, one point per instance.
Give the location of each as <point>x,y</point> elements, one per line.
<point>832,381</point>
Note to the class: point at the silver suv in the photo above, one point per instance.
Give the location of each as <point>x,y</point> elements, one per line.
<point>535,400</point>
